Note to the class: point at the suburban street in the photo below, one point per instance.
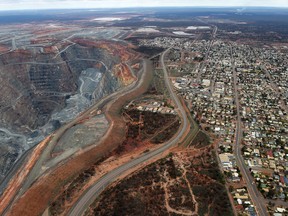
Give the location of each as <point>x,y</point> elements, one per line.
<point>202,66</point>
<point>100,185</point>
<point>277,91</point>
<point>256,197</point>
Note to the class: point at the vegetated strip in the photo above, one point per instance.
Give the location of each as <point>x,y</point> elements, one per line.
<point>37,198</point>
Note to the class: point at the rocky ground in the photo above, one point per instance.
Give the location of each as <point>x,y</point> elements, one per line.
<point>48,77</point>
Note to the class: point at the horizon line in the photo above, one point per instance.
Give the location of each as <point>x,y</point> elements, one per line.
<point>143,7</point>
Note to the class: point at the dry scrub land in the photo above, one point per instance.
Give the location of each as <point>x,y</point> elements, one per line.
<point>187,182</point>
<point>143,131</point>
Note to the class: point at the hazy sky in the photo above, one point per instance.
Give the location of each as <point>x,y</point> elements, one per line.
<point>41,4</point>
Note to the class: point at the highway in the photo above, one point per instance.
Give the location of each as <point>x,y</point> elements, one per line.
<point>91,194</point>
<point>255,195</point>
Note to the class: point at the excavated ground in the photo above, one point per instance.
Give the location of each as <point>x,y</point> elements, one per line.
<point>44,86</point>
<point>45,189</point>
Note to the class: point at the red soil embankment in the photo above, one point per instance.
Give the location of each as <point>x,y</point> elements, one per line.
<point>43,191</point>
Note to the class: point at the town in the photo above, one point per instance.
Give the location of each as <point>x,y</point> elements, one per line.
<point>211,76</point>
<point>144,111</point>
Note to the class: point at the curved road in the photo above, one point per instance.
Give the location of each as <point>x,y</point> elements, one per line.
<point>88,197</point>
<point>37,170</point>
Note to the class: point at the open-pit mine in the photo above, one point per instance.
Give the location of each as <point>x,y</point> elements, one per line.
<point>51,73</point>
<point>92,118</point>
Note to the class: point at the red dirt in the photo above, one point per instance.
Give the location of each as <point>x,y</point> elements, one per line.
<point>20,52</point>
<point>42,40</point>
<point>113,48</point>
<point>15,184</point>
<point>48,31</point>
<point>136,66</point>
<point>46,188</point>
<point>4,49</point>
<point>50,49</point>
<point>123,72</point>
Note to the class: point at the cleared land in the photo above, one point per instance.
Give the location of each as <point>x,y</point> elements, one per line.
<point>187,182</point>
<point>137,140</point>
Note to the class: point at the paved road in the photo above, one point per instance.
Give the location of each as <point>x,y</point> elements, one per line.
<point>203,64</point>
<point>87,198</point>
<point>37,170</point>
<point>255,195</point>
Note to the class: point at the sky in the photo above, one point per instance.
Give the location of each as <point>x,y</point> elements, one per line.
<point>52,4</point>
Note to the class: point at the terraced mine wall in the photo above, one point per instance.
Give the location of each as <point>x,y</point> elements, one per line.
<point>42,91</point>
